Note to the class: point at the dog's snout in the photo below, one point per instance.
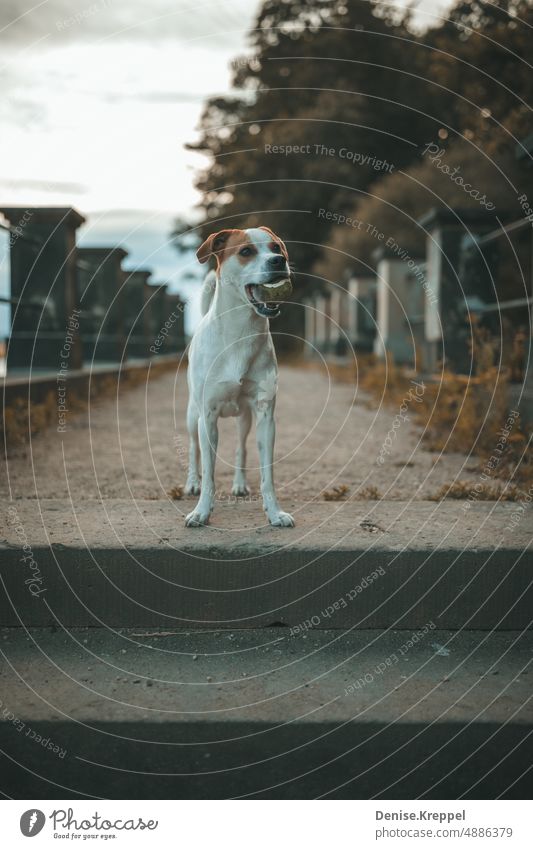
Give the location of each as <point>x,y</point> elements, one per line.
<point>277,261</point>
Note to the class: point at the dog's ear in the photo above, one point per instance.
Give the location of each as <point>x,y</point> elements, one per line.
<point>277,239</point>
<point>214,243</point>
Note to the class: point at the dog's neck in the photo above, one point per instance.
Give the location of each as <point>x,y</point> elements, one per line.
<point>240,318</point>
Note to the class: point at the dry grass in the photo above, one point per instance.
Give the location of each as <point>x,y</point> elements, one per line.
<point>338,493</point>
<point>368,493</point>
<point>478,491</point>
<point>176,493</point>
<point>458,413</point>
<point>22,419</point>
<point>341,493</point>
<point>468,415</point>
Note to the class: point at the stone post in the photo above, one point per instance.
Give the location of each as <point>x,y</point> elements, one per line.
<point>323,324</point>
<point>362,312</point>
<point>136,310</point>
<point>339,321</point>
<point>175,320</point>
<point>397,291</point>
<point>100,279</point>
<point>45,321</point>
<point>310,326</point>
<point>156,307</point>
<point>456,273</point>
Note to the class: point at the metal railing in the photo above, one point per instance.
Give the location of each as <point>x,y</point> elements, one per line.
<point>478,242</point>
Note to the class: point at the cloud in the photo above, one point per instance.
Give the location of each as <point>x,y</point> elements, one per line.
<point>156,96</point>
<point>44,185</point>
<point>98,100</point>
<point>49,22</point>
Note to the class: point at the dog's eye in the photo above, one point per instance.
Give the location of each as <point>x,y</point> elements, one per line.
<point>245,251</point>
<point>276,248</point>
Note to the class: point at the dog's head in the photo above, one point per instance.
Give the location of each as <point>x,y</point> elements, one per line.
<point>254,262</point>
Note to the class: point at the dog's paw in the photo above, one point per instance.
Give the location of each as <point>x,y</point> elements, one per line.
<point>196,519</point>
<point>282,520</point>
<point>192,487</point>
<point>240,490</point>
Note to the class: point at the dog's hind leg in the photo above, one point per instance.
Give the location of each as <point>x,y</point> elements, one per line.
<point>244,423</point>
<point>192,487</point>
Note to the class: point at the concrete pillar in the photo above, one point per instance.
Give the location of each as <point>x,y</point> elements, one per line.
<point>166,315</point>
<point>45,321</point>
<point>175,320</point>
<point>399,289</point>
<point>310,326</point>
<point>323,324</point>
<point>339,321</point>
<point>456,273</point>
<point>156,308</point>
<point>136,308</point>
<point>362,312</point>
<point>100,281</point>
<point>392,309</point>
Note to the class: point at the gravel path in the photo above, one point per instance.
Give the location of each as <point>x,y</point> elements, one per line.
<point>136,446</point>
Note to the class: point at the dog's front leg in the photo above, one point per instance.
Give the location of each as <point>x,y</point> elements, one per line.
<point>208,434</point>
<point>266,435</point>
<point>244,423</point>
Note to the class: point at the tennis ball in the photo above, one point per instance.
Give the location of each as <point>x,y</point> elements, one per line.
<point>278,291</point>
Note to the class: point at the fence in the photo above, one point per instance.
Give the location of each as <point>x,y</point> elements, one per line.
<point>426,309</point>
<point>80,301</point>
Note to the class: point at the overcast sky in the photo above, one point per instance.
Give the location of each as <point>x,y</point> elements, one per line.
<point>98,100</point>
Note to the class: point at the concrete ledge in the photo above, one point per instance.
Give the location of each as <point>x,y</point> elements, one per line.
<point>363,565</point>
<point>30,400</point>
<point>33,385</point>
<point>445,761</point>
<point>263,714</point>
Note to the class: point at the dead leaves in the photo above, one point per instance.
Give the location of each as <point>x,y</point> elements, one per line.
<point>338,493</point>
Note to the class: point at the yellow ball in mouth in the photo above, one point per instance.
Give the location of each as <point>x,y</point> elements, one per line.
<point>278,291</point>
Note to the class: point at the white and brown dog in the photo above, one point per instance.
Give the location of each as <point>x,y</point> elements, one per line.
<point>232,364</point>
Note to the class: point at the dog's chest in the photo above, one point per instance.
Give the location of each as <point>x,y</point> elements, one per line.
<point>229,373</point>
<point>237,386</point>
<point>230,395</point>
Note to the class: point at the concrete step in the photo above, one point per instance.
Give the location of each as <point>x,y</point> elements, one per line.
<point>345,565</point>
<point>260,713</point>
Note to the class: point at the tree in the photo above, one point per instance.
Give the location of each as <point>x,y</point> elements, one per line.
<point>483,54</point>
<point>338,99</point>
<point>331,94</point>
<point>185,237</point>
<point>477,59</point>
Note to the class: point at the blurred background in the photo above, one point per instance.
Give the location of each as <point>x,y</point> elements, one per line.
<point>98,102</point>
<point>389,144</point>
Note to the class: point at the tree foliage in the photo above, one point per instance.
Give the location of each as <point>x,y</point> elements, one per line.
<point>334,79</point>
